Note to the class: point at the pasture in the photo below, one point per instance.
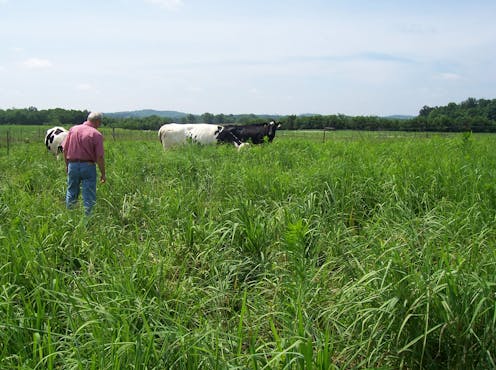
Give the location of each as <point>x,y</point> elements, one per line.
<point>366,250</point>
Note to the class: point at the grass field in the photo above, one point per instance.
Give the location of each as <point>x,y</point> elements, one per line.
<point>363,251</point>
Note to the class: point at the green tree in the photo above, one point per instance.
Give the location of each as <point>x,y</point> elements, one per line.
<point>425,111</point>
<point>208,117</point>
<point>290,122</point>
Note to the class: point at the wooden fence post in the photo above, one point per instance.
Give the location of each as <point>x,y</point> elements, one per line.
<point>8,141</point>
<point>324,130</point>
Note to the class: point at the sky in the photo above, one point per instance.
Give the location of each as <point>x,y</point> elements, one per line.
<point>352,57</point>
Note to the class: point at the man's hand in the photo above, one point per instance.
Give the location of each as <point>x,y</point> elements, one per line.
<point>103,179</point>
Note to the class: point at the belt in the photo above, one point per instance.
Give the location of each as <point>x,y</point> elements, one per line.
<point>79,161</point>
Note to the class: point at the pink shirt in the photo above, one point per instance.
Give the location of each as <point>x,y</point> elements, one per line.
<point>84,142</point>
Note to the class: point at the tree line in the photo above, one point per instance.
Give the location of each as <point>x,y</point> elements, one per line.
<point>476,115</point>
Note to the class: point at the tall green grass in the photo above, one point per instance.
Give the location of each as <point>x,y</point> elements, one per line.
<point>363,252</point>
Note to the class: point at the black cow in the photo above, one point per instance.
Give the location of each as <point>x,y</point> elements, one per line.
<point>255,133</point>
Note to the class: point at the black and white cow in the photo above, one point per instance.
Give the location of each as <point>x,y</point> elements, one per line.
<point>54,139</point>
<point>255,133</point>
<point>172,134</point>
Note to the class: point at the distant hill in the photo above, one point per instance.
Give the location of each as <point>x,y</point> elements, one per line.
<point>175,115</point>
<point>147,113</point>
<point>178,115</point>
<point>399,116</point>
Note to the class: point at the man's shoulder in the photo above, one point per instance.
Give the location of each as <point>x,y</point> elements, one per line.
<point>84,127</point>
<point>77,127</point>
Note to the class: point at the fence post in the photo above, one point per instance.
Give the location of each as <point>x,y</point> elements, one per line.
<point>324,130</point>
<point>8,141</point>
<point>113,133</point>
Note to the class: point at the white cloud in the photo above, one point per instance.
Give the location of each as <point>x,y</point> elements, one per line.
<point>167,4</point>
<point>37,63</point>
<point>84,87</point>
<point>195,89</point>
<point>450,76</point>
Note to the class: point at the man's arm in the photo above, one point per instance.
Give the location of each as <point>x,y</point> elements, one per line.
<point>65,144</point>
<point>101,165</point>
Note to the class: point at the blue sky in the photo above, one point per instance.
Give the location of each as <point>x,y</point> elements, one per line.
<point>353,57</point>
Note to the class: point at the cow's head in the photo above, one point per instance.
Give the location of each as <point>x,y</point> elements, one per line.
<point>271,130</point>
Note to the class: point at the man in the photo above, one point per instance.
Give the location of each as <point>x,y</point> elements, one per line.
<point>83,148</point>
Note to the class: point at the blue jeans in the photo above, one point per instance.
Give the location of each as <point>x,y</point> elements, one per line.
<point>81,173</point>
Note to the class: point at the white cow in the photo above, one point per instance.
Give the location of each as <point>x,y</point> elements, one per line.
<point>172,134</point>
<point>54,139</point>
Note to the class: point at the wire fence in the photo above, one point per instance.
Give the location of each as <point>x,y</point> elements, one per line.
<point>19,135</point>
